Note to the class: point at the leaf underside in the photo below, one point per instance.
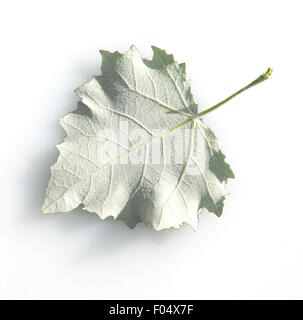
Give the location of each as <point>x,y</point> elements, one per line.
<point>94,168</point>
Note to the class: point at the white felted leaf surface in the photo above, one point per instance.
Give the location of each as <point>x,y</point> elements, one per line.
<point>125,155</point>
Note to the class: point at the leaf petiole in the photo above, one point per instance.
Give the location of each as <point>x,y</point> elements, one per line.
<point>260,79</point>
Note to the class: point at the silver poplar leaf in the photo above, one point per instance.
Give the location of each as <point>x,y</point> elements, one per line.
<point>124,155</point>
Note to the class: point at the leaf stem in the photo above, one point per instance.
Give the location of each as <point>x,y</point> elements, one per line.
<point>260,79</point>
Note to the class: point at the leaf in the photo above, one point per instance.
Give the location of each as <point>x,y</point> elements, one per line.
<point>133,150</point>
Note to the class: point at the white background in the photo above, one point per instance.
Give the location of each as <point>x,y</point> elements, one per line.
<point>49,48</point>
